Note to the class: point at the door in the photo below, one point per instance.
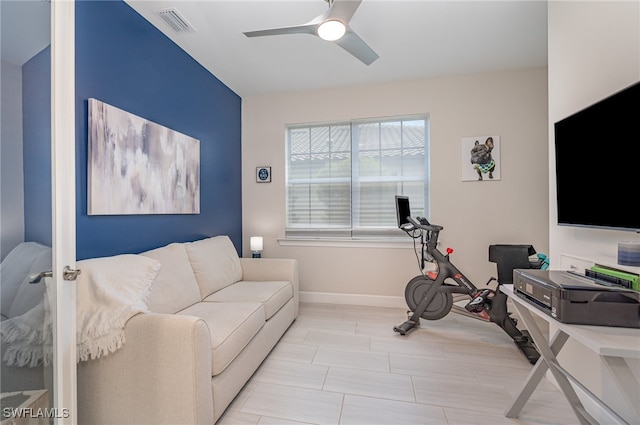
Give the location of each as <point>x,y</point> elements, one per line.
<point>63,209</point>
<point>38,209</point>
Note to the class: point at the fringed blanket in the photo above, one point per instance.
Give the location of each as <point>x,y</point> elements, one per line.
<point>110,290</point>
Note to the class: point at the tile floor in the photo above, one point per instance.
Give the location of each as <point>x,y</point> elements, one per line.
<point>344,365</point>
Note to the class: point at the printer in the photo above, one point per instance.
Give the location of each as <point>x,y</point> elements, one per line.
<point>576,299</point>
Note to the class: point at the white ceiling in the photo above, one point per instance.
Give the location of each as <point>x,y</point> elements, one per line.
<point>414,38</point>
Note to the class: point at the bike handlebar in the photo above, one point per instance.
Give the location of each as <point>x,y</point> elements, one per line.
<point>429,227</point>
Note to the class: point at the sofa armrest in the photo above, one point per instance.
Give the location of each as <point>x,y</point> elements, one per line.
<point>162,375</point>
<point>257,269</point>
<point>269,269</point>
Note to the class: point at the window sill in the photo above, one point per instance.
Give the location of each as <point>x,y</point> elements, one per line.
<point>385,243</point>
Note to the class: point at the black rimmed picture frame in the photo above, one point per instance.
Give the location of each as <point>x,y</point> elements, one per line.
<point>263,174</point>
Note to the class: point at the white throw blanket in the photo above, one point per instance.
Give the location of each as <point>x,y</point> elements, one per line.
<point>110,290</point>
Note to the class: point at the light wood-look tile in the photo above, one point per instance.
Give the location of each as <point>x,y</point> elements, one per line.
<point>381,329</point>
<point>461,416</point>
<point>373,384</point>
<point>234,417</point>
<point>363,360</point>
<point>542,402</point>
<point>511,378</point>
<point>344,365</point>
<point>407,344</point>
<point>431,367</point>
<point>335,324</point>
<point>297,353</point>
<point>359,410</point>
<point>266,420</point>
<point>242,396</point>
<point>472,395</point>
<point>294,404</point>
<point>486,354</point>
<point>290,373</point>
<point>339,340</point>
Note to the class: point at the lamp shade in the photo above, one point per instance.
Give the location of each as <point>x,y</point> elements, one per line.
<point>256,243</point>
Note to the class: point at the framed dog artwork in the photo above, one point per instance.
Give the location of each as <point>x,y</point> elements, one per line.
<point>480,158</point>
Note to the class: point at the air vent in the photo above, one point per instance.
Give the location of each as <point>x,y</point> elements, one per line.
<point>175,20</point>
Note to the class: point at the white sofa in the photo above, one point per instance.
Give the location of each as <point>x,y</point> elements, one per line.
<point>214,318</point>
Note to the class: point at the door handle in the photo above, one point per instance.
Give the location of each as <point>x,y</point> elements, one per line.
<point>36,278</point>
<point>67,274</point>
<point>70,274</point>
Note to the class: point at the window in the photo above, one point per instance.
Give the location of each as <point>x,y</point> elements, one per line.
<point>342,177</point>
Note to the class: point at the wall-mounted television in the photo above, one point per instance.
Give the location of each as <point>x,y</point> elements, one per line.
<point>598,163</point>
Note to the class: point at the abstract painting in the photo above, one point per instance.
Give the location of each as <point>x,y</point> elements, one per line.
<point>136,166</point>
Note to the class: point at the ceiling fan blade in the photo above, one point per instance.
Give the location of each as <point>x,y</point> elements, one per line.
<point>357,47</point>
<point>343,10</point>
<point>297,29</point>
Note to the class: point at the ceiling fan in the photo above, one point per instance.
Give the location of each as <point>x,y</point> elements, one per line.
<point>332,25</point>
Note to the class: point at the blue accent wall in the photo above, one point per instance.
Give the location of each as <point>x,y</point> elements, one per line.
<point>123,60</point>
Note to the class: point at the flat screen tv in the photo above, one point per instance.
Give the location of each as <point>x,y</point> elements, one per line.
<point>598,163</point>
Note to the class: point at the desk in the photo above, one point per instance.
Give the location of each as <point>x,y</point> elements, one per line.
<point>613,345</point>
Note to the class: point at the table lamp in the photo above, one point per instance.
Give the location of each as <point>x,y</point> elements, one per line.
<point>256,246</point>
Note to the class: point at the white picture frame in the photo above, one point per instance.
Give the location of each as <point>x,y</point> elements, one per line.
<point>480,158</point>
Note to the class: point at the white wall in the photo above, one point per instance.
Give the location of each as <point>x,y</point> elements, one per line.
<point>510,104</point>
<point>594,51</point>
<point>11,177</point>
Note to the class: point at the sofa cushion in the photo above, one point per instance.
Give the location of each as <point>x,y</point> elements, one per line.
<point>232,325</point>
<point>175,287</point>
<point>215,263</point>
<point>273,294</point>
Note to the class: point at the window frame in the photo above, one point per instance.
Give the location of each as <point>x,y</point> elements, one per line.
<point>351,232</point>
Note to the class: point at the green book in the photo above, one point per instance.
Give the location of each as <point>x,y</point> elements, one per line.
<point>632,278</point>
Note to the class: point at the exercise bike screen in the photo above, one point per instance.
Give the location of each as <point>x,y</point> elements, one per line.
<point>402,210</point>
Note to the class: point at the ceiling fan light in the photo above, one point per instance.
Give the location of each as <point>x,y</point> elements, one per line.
<point>331,30</point>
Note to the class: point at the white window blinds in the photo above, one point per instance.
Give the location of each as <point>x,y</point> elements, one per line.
<point>342,178</point>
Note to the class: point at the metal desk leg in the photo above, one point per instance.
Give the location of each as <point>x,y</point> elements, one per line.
<point>625,380</point>
<point>535,376</point>
<point>548,357</point>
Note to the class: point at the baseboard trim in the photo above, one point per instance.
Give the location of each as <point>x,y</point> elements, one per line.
<point>352,299</point>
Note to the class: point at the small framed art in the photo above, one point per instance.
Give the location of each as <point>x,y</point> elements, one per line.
<point>263,174</point>
<point>480,158</point>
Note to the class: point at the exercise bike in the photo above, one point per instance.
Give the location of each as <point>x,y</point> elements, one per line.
<point>431,295</point>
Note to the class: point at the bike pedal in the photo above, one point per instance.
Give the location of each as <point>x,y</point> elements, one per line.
<point>476,305</point>
<point>473,308</point>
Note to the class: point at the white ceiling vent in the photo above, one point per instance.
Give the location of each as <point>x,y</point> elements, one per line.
<point>175,20</point>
